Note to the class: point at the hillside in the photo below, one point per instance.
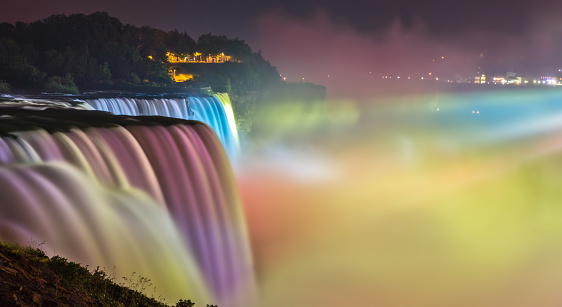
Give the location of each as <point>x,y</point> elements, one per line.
<point>80,52</point>
<point>29,278</point>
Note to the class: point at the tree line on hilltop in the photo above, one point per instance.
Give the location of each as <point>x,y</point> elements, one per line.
<point>63,53</point>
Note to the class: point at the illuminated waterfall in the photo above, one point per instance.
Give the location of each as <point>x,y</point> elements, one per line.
<point>178,167</point>
<point>215,111</point>
<point>177,108</point>
<point>81,220</point>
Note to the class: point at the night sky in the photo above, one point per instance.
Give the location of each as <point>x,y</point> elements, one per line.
<point>323,41</point>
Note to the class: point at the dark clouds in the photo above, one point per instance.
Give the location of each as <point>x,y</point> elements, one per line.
<point>444,17</point>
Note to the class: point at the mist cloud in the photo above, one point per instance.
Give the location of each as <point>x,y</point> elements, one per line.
<point>346,60</point>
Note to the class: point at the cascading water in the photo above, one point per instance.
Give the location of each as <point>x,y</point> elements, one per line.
<point>177,108</point>
<point>215,111</point>
<point>121,230</point>
<point>178,167</point>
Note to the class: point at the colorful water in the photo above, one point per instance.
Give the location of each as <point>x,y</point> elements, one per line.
<point>178,167</point>
<point>215,111</point>
<point>409,201</point>
<point>435,199</point>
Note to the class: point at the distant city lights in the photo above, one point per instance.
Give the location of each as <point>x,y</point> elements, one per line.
<point>509,78</point>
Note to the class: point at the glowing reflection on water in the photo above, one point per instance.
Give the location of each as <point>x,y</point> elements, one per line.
<point>418,202</point>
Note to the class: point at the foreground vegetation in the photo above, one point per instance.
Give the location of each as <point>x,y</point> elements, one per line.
<point>29,277</point>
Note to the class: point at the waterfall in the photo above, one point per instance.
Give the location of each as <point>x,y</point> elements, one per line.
<point>177,108</point>
<point>215,111</point>
<point>179,168</point>
<point>122,231</point>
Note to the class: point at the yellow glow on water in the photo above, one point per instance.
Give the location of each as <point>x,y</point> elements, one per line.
<point>288,119</point>
<point>430,234</point>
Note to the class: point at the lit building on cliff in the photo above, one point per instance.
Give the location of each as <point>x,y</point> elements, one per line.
<point>197,57</point>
